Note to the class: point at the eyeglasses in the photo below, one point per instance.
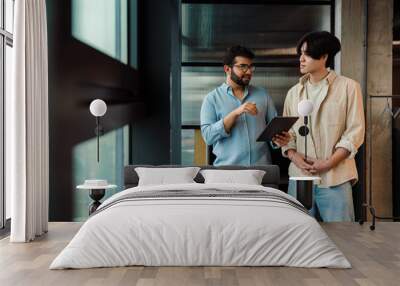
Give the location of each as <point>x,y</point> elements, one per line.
<point>244,68</point>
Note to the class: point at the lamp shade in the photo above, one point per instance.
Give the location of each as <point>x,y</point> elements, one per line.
<point>98,107</point>
<point>305,107</point>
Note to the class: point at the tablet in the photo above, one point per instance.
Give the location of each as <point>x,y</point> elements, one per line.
<point>277,125</point>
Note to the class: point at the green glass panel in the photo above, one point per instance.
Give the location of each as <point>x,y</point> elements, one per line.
<point>269,30</point>
<point>102,24</point>
<point>197,82</point>
<point>187,155</point>
<point>133,32</point>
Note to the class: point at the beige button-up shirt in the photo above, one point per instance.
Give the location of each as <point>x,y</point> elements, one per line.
<point>336,121</point>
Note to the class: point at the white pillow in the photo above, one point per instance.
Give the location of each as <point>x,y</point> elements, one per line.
<point>165,176</point>
<point>249,177</point>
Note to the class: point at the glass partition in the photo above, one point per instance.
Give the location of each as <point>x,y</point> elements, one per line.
<point>271,30</point>
<point>197,82</point>
<point>103,25</point>
<point>6,63</point>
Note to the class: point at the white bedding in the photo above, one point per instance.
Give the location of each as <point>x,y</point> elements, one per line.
<point>200,231</point>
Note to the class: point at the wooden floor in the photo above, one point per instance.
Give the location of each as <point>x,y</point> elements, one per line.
<point>375,256</point>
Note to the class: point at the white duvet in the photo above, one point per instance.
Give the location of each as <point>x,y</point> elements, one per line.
<point>200,231</point>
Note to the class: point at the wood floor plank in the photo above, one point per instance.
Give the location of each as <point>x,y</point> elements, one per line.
<point>374,255</point>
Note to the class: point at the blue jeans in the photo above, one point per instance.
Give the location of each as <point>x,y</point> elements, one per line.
<point>332,204</point>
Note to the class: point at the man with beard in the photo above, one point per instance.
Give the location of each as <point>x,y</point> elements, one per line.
<point>235,113</point>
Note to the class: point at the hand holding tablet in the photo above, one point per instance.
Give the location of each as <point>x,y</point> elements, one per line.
<point>277,126</point>
<point>281,139</point>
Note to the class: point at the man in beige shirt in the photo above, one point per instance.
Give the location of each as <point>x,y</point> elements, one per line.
<point>337,128</point>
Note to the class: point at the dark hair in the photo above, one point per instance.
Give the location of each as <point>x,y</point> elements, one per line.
<point>319,44</point>
<point>237,51</point>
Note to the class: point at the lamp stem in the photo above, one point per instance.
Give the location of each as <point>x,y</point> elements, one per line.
<point>98,137</point>
<point>305,151</point>
<point>305,138</point>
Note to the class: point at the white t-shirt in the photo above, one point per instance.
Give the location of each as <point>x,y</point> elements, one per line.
<point>314,89</point>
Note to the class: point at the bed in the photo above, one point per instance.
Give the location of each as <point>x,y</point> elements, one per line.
<point>198,224</point>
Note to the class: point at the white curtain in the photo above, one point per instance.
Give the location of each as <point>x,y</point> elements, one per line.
<point>27,147</point>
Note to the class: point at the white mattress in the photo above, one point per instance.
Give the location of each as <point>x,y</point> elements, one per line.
<point>200,231</point>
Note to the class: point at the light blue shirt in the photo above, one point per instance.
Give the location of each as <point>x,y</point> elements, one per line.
<point>239,147</point>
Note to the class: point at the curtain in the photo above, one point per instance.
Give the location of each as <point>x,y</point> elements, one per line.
<point>27,144</point>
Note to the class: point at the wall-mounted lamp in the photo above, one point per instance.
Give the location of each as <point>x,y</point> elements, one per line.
<point>98,108</point>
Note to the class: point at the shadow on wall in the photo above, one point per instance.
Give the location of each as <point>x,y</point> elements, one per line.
<point>78,74</point>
